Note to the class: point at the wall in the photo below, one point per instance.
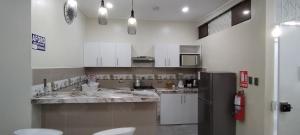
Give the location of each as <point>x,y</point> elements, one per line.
<point>63,42</point>
<point>15,69</point>
<point>242,47</point>
<point>149,33</point>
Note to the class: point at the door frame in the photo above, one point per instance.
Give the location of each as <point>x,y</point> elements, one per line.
<point>276,93</point>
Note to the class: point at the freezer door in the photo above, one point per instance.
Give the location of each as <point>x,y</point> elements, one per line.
<point>224,88</point>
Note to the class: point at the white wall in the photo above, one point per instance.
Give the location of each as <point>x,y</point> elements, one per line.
<point>15,69</point>
<point>64,43</point>
<point>149,33</point>
<point>238,48</point>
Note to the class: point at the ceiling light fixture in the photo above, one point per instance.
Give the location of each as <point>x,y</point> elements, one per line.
<point>246,12</point>
<point>109,5</point>
<point>72,3</point>
<point>132,23</point>
<point>292,23</point>
<point>185,9</point>
<point>102,14</point>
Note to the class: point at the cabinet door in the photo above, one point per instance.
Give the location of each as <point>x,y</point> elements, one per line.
<point>173,56</point>
<point>123,55</point>
<point>171,109</point>
<point>91,54</point>
<point>190,107</point>
<point>161,53</point>
<point>107,55</point>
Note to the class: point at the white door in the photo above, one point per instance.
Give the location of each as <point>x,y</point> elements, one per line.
<point>123,55</point>
<point>91,53</point>
<point>190,109</point>
<point>171,109</point>
<point>107,55</point>
<point>289,81</point>
<point>161,54</point>
<point>173,56</point>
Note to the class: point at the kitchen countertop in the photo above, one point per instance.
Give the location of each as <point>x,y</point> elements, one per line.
<point>102,96</point>
<point>176,91</point>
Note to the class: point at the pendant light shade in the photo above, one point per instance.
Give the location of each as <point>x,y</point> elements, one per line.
<point>102,14</point>
<point>132,23</point>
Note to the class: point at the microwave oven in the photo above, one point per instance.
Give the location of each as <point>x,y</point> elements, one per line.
<point>190,60</point>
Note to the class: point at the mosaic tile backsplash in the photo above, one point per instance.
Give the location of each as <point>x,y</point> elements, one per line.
<point>124,77</point>
<point>68,78</point>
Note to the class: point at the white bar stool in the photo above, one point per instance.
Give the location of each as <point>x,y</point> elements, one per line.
<point>118,131</point>
<point>38,131</point>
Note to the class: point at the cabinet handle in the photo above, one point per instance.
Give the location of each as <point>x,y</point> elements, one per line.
<point>169,62</point>
<point>117,62</point>
<point>181,99</point>
<point>101,61</point>
<point>97,62</point>
<point>184,98</point>
<point>165,62</point>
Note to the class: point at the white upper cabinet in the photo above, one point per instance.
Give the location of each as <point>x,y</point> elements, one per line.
<point>160,54</point>
<point>173,53</point>
<point>91,54</point>
<point>123,55</point>
<point>167,55</point>
<point>107,55</point>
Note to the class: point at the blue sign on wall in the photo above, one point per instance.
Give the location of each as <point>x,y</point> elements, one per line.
<point>38,42</point>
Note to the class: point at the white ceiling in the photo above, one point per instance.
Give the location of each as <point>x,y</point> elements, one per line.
<point>169,10</point>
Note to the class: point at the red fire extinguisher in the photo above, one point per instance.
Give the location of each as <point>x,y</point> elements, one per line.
<point>239,103</point>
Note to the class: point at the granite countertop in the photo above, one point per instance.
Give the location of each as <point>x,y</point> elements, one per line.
<point>102,96</point>
<point>177,90</point>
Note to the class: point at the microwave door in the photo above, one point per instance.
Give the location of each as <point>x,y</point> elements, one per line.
<point>188,60</point>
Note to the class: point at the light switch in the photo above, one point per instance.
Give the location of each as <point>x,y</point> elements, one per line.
<point>256,81</point>
<point>250,79</point>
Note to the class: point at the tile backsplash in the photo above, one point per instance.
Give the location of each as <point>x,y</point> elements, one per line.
<point>124,77</point>
<point>62,78</point>
<point>57,78</point>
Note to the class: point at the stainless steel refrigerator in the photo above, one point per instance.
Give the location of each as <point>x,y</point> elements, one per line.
<point>216,104</point>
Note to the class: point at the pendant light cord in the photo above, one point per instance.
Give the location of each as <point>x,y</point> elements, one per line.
<point>102,3</point>
<point>131,4</point>
<point>132,11</point>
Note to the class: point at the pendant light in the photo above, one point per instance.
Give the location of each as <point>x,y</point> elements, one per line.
<point>132,23</point>
<point>102,14</point>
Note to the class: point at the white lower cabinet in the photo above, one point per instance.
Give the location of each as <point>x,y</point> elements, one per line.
<point>179,109</point>
<point>190,108</point>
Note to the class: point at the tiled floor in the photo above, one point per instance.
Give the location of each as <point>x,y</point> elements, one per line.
<point>177,130</point>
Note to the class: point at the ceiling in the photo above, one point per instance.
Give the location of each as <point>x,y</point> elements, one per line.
<point>169,10</point>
